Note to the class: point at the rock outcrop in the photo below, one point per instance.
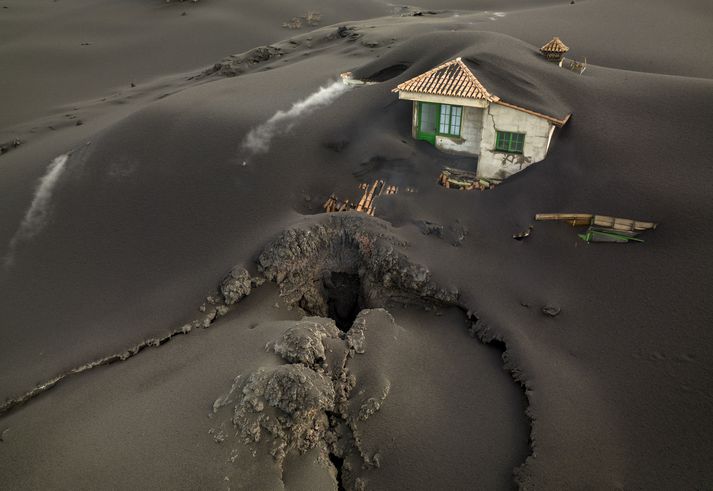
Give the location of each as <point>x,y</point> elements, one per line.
<point>236,285</point>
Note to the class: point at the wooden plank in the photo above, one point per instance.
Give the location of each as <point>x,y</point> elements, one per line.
<point>563,216</point>
<point>370,197</point>
<point>622,223</point>
<point>645,225</point>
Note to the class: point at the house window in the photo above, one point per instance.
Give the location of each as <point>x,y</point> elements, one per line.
<point>510,142</point>
<point>450,120</point>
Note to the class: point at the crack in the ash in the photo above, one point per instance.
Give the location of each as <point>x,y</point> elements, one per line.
<point>305,404</point>
<point>235,286</point>
<point>484,333</point>
<point>10,404</point>
<point>338,463</point>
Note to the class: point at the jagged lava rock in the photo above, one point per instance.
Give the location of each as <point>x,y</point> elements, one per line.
<point>236,285</point>
<point>303,342</point>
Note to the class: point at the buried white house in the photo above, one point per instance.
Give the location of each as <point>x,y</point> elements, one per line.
<point>455,112</point>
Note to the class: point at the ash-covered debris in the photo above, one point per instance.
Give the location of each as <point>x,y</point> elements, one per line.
<point>287,404</point>
<point>237,64</point>
<point>307,405</point>
<point>10,145</point>
<point>356,337</point>
<point>454,234</point>
<point>237,285</point>
<point>411,11</point>
<point>311,19</point>
<point>347,32</point>
<point>234,287</point>
<point>551,310</point>
<point>304,342</point>
<point>373,404</point>
<point>302,261</point>
<point>430,228</point>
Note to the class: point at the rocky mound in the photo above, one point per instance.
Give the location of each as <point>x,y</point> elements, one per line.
<point>307,404</point>
<point>312,263</point>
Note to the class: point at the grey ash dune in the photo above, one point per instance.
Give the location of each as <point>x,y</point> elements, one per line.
<point>154,206</point>
<point>319,410</point>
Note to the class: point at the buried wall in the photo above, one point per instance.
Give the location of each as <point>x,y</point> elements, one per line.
<point>493,164</point>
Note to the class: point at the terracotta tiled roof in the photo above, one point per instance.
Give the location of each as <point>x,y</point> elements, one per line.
<point>555,45</point>
<point>453,79</point>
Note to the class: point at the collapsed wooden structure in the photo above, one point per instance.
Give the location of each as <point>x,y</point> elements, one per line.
<point>365,203</point>
<point>601,228</point>
<point>462,179</point>
<point>575,66</point>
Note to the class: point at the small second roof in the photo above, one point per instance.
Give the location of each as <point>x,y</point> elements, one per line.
<point>555,45</point>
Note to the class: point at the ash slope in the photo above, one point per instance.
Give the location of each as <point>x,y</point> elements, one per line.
<point>159,403</point>
<point>614,383</point>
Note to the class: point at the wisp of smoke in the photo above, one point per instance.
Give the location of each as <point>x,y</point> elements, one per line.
<point>258,139</point>
<point>37,215</point>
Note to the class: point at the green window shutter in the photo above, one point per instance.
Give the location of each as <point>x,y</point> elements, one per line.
<point>509,142</point>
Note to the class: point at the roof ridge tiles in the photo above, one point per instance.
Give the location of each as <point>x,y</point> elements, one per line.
<point>452,78</point>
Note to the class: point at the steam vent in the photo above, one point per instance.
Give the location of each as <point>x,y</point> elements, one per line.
<point>554,50</point>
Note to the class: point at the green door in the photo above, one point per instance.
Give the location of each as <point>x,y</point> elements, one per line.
<point>427,121</point>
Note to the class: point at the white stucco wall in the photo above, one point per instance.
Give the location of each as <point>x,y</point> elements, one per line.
<point>499,165</point>
<point>478,136</point>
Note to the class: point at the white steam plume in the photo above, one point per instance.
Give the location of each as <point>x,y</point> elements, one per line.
<point>37,215</point>
<point>258,139</point>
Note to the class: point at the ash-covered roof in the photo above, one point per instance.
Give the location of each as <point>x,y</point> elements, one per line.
<point>555,45</point>
<point>456,79</point>
<point>453,79</point>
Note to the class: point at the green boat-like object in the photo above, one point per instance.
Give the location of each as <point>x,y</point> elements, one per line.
<point>594,234</point>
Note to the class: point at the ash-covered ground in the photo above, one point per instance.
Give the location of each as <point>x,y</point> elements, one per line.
<point>176,311</point>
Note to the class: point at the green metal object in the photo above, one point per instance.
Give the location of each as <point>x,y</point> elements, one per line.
<point>602,235</point>
<point>428,120</point>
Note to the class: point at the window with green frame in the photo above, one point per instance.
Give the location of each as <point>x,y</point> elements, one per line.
<point>450,120</point>
<point>510,142</point>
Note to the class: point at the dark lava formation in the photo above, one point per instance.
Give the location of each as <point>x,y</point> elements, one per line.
<point>341,270</point>
<point>307,404</point>
<point>346,263</point>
